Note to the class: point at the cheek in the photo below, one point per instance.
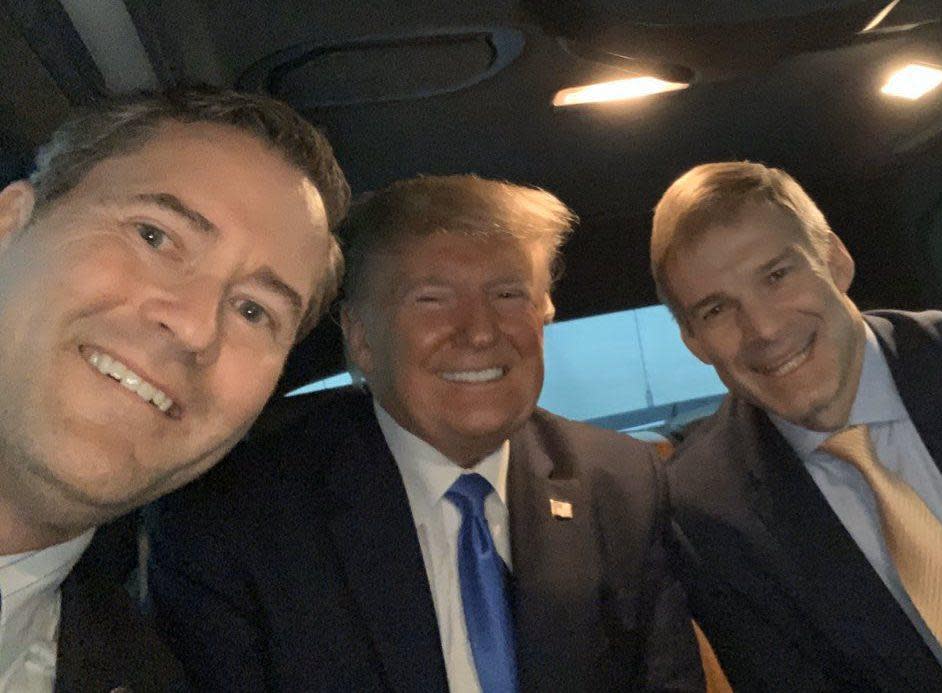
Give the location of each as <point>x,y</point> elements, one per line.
<point>526,334</point>
<point>241,384</point>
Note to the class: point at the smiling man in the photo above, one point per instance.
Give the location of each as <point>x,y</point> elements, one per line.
<point>435,530</point>
<point>154,273</point>
<point>807,507</point>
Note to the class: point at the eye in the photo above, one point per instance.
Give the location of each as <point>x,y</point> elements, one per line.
<point>252,312</point>
<point>777,275</point>
<point>712,311</point>
<point>151,235</point>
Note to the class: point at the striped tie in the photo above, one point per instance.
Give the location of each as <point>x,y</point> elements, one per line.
<point>913,534</point>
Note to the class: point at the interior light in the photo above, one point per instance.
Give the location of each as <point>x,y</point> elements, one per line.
<point>913,81</point>
<point>619,90</point>
<point>880,16</point>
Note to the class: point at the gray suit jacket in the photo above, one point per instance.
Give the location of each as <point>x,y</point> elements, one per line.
<point>788,600</point>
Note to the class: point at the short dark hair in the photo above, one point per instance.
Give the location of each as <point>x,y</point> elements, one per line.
<point>122,125</point>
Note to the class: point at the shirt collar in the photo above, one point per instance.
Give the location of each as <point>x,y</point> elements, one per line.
<point>427,474</point>
<point>877,401</point>
<point>43,569</point>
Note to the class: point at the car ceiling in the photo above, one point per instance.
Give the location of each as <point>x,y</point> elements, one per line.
<point>404,87</point>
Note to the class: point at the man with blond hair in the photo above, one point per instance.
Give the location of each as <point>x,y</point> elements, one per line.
<point>155,270</point>
<point>806,509</point>
<point>435,530</point>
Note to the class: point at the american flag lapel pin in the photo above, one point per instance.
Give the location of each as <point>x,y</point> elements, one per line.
<point>561,510</point>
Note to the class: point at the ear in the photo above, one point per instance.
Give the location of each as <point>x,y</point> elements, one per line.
<point>549,309</point>
<point>16,209</point>
<point>840,263</point>
<point>695,345</point>
<point>355,339</point>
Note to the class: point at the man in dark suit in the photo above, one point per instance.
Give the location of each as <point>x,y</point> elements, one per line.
<point>436,530</point>
<point>155,270</point>
<point>806,508</point>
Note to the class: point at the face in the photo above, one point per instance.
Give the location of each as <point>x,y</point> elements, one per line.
<point>146,316</point>
<point>450,339</point>
<point>773,318</point>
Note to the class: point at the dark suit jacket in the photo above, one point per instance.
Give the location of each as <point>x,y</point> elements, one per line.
<point>295,564</point>
<point>786,597</point>
<point>104,642</point>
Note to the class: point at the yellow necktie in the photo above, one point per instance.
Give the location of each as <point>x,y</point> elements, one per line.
<point>913,534</point>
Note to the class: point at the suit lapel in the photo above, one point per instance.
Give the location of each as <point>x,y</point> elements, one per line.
<point>375,536</point>
<point>103,641</point>
<point>914,360</point>
<point>556,570</point>
<point>819,566</point>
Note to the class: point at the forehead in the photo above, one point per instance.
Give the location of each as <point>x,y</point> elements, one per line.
<point>447,256</point>
<point>759,225</point>
<point>719,254</point>
<point>262,205</point>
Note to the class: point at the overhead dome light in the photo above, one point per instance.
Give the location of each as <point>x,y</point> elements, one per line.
<point>913,81</point>
<point>618,90</point>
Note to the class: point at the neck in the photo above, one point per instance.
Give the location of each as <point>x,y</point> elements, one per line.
<point>18,535</point>
<point>28,520</point>
<point>836,414</point>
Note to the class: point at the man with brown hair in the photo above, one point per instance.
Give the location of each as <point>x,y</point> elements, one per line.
<point>807,507</point>
<point>435,530</point>
<point>155,271</point>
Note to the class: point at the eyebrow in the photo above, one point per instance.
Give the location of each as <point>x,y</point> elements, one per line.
<point>704,302</point>
<point>174,204</point>
<point>785,254</point>
<point>268,278</point>
<point>265,276</point>
<point>763,268</point>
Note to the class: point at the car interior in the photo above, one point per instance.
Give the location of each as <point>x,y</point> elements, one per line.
<point>601,102</point>
<point>490,87</point>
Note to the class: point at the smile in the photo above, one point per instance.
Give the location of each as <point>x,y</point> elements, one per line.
<point>791,364</point>
<point>106,365</point>
<point>483,376</point>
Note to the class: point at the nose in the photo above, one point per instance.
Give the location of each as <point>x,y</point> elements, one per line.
<point>187,315</point>
<point>478,321</point>
<point>760,321</point>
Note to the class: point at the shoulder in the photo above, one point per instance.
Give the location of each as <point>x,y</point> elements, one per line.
<point>283,458</point>
<point>903,327</point>
<point>591,444</point>
<point>711,464</point>
<point>607,461</point>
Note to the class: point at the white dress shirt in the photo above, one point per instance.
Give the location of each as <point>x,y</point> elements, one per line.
<point>427,475</point>
<point>899,448</point>
<point>30,602</point>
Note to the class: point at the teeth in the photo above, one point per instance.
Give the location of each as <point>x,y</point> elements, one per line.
<point>483,376</point>
<point>131,380</point>
<point>789,365</point>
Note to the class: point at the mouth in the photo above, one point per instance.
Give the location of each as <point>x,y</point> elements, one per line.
<point>150,393</point>
<point>790,364</point>
<point>485,375</point>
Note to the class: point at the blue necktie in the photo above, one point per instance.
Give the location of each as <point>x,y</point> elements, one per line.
<point>483,577</point>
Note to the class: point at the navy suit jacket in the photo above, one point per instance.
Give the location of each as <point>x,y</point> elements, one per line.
<point>786,597</point>
<point>295,565</point>
<point>104,641</point>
